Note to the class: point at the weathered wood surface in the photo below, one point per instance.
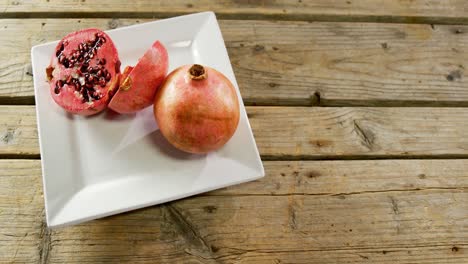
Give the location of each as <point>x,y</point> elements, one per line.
<point>411,11</point>
<point>310,132</point>
<point>22,214</point>
<point>332,211</point>
<point>294,63</point>
<point>388,211</point>
<point>18,131</point>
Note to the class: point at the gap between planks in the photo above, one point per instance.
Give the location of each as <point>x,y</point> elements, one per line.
<point>250,16</point>
<point>414,11</point>
<point>315,101</point>
<point>299,158</point>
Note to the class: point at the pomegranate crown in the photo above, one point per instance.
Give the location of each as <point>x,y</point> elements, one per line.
<point>197,72</point>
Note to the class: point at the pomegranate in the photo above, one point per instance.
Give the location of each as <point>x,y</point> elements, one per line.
<point>197,109</point>
<point>138,84</point>
<point>84,71</point>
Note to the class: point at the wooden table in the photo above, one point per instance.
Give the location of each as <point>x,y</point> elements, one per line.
<point>359,109</point>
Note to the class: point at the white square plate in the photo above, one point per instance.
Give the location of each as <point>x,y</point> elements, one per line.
<point>107,164</point>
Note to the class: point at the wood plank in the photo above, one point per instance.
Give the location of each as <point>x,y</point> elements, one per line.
<point>21,211</point>
<point>294,63</point>
<point>318,177</point>
<point>397,216</point>
<point>274,224</point>
<point>147,252</point>
<point>345,177</point>
<point>310,132</point>
<point>432,11</point>
<point>305,132</point>
<point>18,131</point>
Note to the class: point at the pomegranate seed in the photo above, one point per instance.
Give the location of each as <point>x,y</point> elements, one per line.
<point>57,89</point>
<point>94,95</point>
<point>102,82</point>
<point>60,83</point>
<point>85,96</point>
<point>91,91</point>
<point>108,77</point>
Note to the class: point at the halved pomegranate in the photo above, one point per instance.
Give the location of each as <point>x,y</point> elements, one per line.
<point>84,71</point>
<point>139,84</point>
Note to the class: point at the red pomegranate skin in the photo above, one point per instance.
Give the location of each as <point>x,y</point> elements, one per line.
<point>67,97</point>
<point>197,115</point>
<point>139,84</point>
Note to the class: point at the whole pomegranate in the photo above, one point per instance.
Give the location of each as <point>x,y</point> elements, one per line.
<point>138,84</point>
<point>84,71</point>
<point>197,109</point>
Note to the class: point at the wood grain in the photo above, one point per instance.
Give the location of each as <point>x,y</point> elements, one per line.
<point>409,11</point>
<point>309,132</point>
<point>294,63</point>
<point>306,209</point>
<point>22,228</point>
<point>18,131</point>
<point>384,211</point>
<point>295,132</point>
<point>345,177</point>
<point>271,224</point>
